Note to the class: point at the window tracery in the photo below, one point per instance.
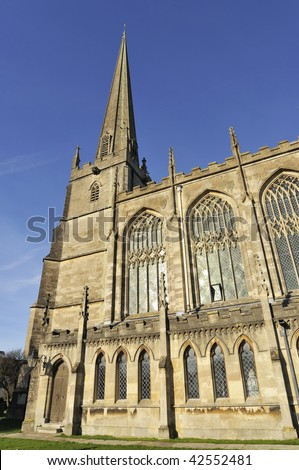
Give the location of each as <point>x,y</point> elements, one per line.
<point>219,262</point>
<point>282,205</point>
<point>146,262</point>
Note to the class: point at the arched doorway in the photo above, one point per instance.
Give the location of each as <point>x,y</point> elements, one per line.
<point>59,393</point>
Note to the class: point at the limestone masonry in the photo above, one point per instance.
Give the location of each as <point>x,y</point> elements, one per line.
<point>169,309</point>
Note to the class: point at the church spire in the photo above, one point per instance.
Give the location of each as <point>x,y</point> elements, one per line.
<point>118,135</point>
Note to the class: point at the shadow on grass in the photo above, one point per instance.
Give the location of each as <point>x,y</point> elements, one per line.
<point>10,425</point>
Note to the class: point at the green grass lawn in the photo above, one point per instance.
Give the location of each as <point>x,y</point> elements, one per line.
<point>14,426</point>
<point>293,442</point>
<point>34,444</point>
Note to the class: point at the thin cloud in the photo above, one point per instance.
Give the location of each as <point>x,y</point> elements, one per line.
<point>16,263</point>
<point>17,284</point>
<point>21,163</point>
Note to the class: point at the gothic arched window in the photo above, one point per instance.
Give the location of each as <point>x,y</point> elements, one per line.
<point>121,371</point>
<point>219,372</point>
<point>100,377</point>
<point>191,376</point>
<point>94,192</point>
<point>219,263</point>
<point>144,376</point>
<point>250,383</point>
<point>146,262</point>
<point>282,204</point>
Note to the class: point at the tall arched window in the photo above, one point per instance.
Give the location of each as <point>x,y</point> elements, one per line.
<point>144,376</point>
<point>248,370</point>
<point>94,192</point>
<point>191,376</point>
<point>219,263</point>
<point>100,377</point>
<point>146,261</point>
<point>282,205</point>
<point>121,377</point>
<point>219,372</point>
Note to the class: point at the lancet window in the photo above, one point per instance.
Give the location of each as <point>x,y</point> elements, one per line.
<point>282,205</point>
<point>146,262</point>
<point>191,376</point>
<point>220,270</point>
<point>219,372</point>
<point>100,377</point>
<point>144,376</point>
<point>121,376</point>
<point>248,370</point>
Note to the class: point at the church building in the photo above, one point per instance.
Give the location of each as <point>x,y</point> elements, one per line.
<point>169,309</point>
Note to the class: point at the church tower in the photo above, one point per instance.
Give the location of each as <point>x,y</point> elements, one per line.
<point>169,309</point>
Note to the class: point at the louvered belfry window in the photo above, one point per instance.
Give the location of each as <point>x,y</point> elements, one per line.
<point>219,372</point>
<point>144,376</point>
<point>282,204</point>
<point>94,192</point>
<point>101,375</point>
<point>191,376</point>
<point>219,262</point>
<point>105,145</point>
<point>248,370</point>
<point>146,262</point>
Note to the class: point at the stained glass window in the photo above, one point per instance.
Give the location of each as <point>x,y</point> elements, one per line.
<point>146,261</point>
<point>122,376</point>
<point>218,257</point>
<point>248,370</point>
<point>282,205</point>
<point>144,376</point>
<point>100,375</point>
<point>219,372</point>
<point>191,376</point>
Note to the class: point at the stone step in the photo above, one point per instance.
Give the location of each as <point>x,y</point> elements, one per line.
<point>50,429</point>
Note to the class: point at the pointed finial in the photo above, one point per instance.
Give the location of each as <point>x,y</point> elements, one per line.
<point>233,138</point>
<point>171,162</point>
<point>234,143</point>
<point>145,170</point>
<point>76,159</point>
<point>124,32</point>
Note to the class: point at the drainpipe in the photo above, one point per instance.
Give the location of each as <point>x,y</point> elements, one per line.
<point>183,241</point>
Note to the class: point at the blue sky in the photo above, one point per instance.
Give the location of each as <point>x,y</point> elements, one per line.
<point>197,68</point>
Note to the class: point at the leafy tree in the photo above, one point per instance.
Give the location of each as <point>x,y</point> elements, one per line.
<point>10,364</point>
